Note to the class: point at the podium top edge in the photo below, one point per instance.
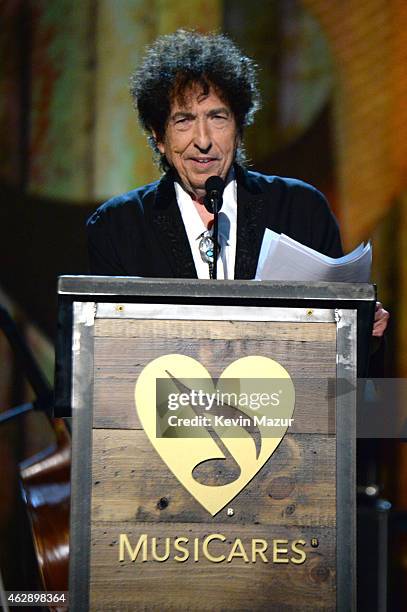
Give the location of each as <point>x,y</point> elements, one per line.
<point>111,286</point>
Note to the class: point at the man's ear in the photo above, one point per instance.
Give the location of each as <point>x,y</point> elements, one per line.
<point>160,145</point>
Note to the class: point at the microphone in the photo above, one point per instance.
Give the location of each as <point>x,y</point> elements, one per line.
<point>214,187</point>
<point>213,200</point>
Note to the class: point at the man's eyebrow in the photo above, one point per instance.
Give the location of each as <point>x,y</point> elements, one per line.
<point>219,111</point>
<point>188,115</point>
<point>183,115</point>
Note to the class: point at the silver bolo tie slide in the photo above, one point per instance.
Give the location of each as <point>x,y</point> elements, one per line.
<point>206,249</point>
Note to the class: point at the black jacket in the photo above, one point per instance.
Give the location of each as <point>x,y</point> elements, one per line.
<point>141,233</point>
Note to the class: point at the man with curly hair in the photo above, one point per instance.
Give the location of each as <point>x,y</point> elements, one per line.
<point>194,95</point>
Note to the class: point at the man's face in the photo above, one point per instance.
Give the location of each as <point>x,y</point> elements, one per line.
<point>200,139</point>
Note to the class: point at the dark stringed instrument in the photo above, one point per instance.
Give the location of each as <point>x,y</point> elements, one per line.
<point>44,467</point>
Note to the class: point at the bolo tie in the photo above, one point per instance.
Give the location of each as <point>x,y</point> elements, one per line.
<point>206,249</point>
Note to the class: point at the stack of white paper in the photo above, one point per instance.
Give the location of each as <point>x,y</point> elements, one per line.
<point>282,258</point>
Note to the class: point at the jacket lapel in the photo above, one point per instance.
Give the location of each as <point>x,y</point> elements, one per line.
<point>250,224</point>
<point>169,229</point>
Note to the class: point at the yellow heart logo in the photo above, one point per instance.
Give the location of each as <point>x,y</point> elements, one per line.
<point>214,447</point>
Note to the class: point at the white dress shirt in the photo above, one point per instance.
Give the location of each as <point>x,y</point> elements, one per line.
<point>195,227</point>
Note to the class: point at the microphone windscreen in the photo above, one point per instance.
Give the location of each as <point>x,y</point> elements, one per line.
<point>215,183</point>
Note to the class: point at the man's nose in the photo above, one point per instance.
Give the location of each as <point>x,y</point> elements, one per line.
<point>202,136</point>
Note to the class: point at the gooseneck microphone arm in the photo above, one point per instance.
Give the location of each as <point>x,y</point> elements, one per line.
<point>215,243</point>
<point>214,187</point>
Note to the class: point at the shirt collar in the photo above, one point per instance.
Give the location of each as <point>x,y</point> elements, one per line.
<point>228,212</point>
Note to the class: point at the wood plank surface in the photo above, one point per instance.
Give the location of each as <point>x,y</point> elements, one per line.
<point>231,330</point>
<point>306,350</point>
<point>292,497</point>
<point>205,586</point>
<point>295,487</point>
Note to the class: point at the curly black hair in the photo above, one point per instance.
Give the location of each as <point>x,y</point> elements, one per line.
<point>175,62</point>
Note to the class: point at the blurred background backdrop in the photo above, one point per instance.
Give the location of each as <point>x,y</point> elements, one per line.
<point>334,84</point>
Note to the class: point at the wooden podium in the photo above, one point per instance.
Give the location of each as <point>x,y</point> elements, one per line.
<point>286,541</point>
